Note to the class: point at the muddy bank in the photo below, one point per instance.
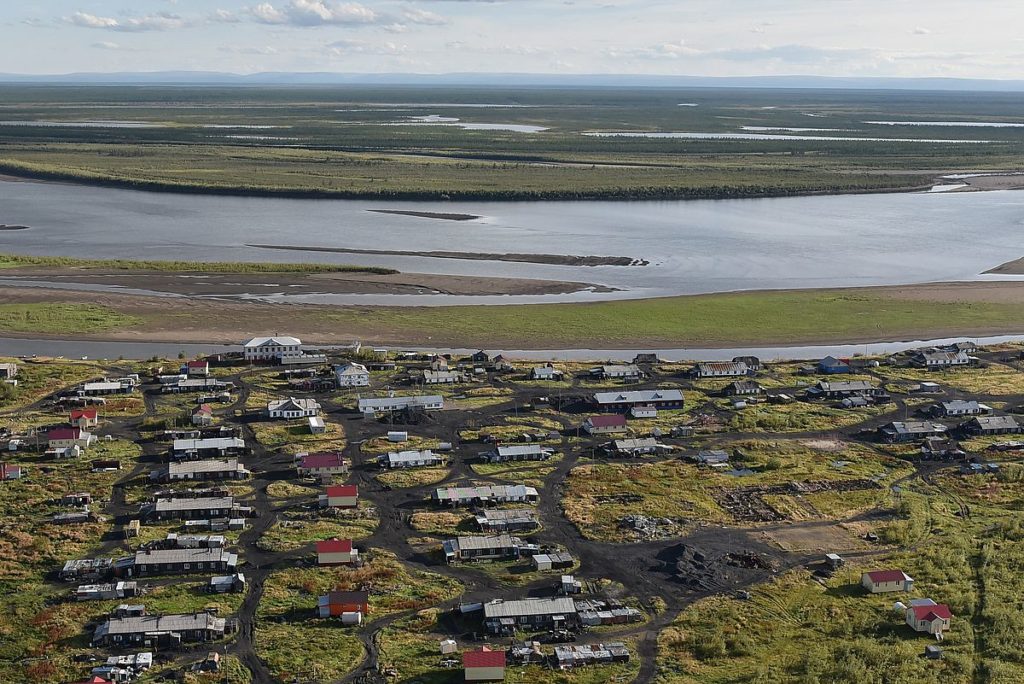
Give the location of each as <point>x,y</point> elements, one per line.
<point>549,259</point>
<point>427,214</point>
<point>268,285</point>
<point>1015,267</point>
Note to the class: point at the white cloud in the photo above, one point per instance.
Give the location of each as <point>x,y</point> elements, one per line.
<point>343,48</point>
<point>106,45</point>
<point>660,51</point>
<point>160,21</point>
<point>419,16</point>
<point>314,13</point>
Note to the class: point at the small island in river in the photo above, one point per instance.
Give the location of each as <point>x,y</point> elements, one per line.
<point>427,214</point>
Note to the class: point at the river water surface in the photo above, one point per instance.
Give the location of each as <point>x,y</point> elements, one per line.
<point>691,246</point>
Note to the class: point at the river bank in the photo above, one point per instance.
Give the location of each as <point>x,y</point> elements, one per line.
<point>749,319</point>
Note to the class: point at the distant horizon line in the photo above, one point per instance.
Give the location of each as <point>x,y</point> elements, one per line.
<point>519,79</point>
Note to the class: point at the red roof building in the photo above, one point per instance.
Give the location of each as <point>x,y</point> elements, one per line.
<point>88,414</point>
<point>612,422</point>
<point>484,665</point>
<point>323,463</point>
<point>342,491</point>
<point>64,433</point>
<point>334,546</point>
<point>928,616</point>
<point>336,552</point>
<point>883,581</point>
<point>929,613</point>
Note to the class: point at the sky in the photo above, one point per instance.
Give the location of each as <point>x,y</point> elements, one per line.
<point>897,38</point>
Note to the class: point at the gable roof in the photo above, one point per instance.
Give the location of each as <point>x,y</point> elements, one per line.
<point>939,611</point>
<point>334,546</point>
<point>293,404</point>
<point>324,459</point>
<point>64,433</point>
<point>197,364</point>
<point>273,341</point>
<point>88,413</point>
<point>611,420</point>
<point>343,490</point>
<point>885,576</point>
<point>483,658</point>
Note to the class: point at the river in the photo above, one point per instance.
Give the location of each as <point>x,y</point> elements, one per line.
<point>692,246</point>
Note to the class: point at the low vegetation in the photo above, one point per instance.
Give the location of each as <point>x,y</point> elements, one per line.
<point>63,318</point>
<point>11,261</point>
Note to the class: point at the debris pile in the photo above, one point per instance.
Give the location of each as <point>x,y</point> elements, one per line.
<point>747,504</point>
<point>649,528</point>
<point>705,570</point>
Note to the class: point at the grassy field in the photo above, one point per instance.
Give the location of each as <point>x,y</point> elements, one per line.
<point>314,147</point>
<point>797,630</point>
<point>63,318</point>
<point>732,319</point>
<point>597,496</point>
<point>295,531</point>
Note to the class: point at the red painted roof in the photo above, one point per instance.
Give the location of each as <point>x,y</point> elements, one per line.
<point>930,613</point>
<point>483,659</point>
<point>198,364</point>
<point>323,460</point>
<point>64,433</point>
<point>89,413</point>
<point>334,546</point>
<point>611,420</point>
<point>343,490</point>
<point>205,408</point>
<point>883,576</point>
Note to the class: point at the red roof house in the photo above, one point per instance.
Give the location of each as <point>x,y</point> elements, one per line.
<point>86,417</point>
<point>323,463</point>
<point>596,425</point>
<point>484,665</point>
<point>933,619</point>
<point>340,496</point>
<point>336,552</point>
<point>62,438</point>
<point>881,581</point>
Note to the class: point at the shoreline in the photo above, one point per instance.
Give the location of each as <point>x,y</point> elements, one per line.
<point>549,259</point>
<point>11,173</point>
<point>1013,267</point>
<point>26,346</point>
<point>928,311</point>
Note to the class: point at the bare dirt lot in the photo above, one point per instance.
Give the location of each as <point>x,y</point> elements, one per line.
<point>828,537</point>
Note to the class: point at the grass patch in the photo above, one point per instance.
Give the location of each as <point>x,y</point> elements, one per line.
<point>316,651</point>
<point>294,531</point>
<point>8,261</point>
<point>63,318</point>
<point>401,478</point>
<point>292,594</point>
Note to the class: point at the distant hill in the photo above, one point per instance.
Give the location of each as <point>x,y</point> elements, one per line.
<point>212,78</point>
